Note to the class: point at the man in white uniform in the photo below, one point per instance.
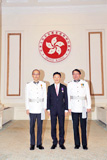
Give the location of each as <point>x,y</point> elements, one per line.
<point>79,103</point>
<point>35,100</point>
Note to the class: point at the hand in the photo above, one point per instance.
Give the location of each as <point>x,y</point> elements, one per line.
<point>88,110</point>
<point>70,110</point>
<point>48,113</point>
<point>27,111</point>
<point>66,113</point>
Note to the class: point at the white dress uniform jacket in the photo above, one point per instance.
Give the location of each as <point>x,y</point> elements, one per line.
<point>78,96</point>
<point>36,97</point>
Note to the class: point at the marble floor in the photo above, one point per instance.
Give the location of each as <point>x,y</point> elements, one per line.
<point>14,143</point>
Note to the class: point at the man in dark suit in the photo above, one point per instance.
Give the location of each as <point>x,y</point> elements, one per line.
<point>57,106</point>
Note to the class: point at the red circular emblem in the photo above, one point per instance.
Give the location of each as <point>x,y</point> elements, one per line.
<point>54,46</point>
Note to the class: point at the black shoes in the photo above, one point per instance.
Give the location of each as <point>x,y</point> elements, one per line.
<point>40,147</point>
<point>32,147</point>
<point>85,147</point>
<point>76,147</point>
<point>62,146</point>
<point>53,146</point>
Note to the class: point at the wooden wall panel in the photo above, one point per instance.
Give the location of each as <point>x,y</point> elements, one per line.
<point>13,64</point>
<point>96,64</point>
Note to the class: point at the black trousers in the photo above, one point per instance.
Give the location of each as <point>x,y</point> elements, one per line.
<point>61,119</point>
<point>33,118</point>
<point>76,117</point>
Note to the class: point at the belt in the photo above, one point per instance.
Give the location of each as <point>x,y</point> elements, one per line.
<point>76,97</point>
<point>37,100</point>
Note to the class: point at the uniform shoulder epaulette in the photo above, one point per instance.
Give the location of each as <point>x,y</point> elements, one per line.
<point>83,80</point>
<point>42,81</point>
<point>70,82</point>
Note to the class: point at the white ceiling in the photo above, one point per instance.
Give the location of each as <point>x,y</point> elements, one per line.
<point>52,2</point>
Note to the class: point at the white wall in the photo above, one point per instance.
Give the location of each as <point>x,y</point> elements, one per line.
<point>33,22</point>
<point>0,48</point>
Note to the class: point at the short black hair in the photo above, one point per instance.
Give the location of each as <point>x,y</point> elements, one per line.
<point>56,73</point>
<point>77,70</point>
<point>35,70</point>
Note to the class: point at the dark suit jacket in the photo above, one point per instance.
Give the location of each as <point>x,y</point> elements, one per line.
<point>57,103</point>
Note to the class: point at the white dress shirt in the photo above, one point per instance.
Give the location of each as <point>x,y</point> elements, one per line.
<point>79,90</point>
<point>58,85</point>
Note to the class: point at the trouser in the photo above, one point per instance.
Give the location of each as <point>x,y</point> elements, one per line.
<point>33,118</point>
<point>83,123</point>
<point>61,119</point>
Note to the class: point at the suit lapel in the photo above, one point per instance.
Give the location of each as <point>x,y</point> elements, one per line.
<point>54,89</point>
<point>60,89</point>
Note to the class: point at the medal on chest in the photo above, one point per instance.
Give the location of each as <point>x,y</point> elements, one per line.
<point>82,85</point>
<point>41,86</point>
<point>62,89</point>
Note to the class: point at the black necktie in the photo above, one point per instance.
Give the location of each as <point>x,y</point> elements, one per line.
<point>36,82</point>
<point>76,80</point>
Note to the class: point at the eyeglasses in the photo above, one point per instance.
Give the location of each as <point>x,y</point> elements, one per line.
<point>36,74</point>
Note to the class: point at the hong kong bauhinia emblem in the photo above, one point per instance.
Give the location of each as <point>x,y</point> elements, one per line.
<point>54,46</point>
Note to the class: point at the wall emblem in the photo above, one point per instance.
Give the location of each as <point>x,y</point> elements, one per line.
<point>54,46</point>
